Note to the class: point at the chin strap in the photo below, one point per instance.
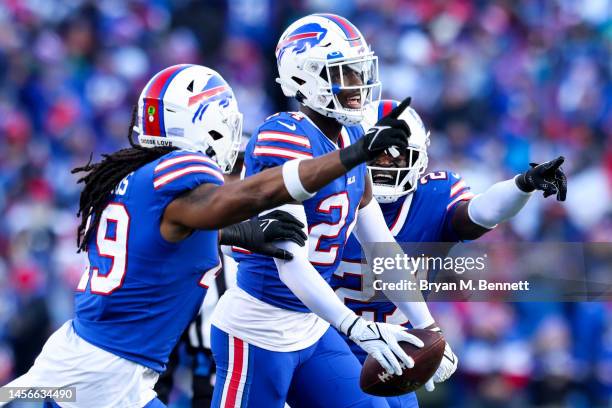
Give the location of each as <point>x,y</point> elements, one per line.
<point>385,194</point>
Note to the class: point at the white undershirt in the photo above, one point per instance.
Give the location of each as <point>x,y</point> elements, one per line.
<point>266,326</point>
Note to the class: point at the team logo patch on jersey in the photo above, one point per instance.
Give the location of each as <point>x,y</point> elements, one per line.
<point>301,40</point>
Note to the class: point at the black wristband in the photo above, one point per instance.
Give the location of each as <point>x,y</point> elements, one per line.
<point>353,155</point>
<point>521,183</point>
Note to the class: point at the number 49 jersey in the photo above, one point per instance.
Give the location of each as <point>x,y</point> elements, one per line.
<point>330,213</point>
<point>140,291</point>
<point>423,216</point>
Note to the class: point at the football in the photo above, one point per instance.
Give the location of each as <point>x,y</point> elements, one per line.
<point>376,381</point>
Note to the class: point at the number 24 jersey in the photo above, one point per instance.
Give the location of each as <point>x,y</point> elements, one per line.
<point>330,213</point>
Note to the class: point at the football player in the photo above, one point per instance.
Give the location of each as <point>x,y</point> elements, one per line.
<point>151,216</point>
<point>271,335</point>
<point>435,207</point>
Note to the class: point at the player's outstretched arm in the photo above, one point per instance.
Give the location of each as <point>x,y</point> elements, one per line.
<point>505,199</point>
<point>212,207</point>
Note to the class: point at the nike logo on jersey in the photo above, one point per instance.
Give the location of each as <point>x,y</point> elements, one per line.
<point>351,180</point>
<point>290,126</point>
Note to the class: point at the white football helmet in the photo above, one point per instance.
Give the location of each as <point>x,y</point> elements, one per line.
<point>191,107</point>
<point>313,56</point>
<point>389,182</point>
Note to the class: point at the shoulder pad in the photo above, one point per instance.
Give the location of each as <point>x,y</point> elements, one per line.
<point>181,170</point>
<point>288,122</point>
<point>282,136</point>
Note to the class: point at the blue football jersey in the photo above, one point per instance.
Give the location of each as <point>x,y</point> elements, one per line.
<point>330,213</point>
<point>140,291</point>
<point>423,216</point>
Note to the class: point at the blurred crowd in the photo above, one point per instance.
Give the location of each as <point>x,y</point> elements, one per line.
<point>499,84</point>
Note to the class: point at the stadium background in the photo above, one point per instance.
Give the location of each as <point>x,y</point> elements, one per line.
<point>498,83</point>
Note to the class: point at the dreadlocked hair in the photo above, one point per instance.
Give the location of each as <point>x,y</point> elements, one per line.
<point>101,179</point>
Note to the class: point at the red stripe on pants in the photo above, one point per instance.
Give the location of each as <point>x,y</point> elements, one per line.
<point>232,390</point>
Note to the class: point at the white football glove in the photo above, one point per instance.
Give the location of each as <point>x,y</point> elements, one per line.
<point>380,340</point>
<point>447,367</point>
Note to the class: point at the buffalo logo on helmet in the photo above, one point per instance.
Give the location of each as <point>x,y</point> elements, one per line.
<point>301,39</point>
<point>216,89</point>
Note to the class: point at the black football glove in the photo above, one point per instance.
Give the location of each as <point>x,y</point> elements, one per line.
<point>388,132</point>
<point>547,177</point>
<point>257,234</point>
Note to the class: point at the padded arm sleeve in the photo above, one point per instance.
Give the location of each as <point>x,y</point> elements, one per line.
<point>498,203</point>
<point>369,229</point>
<point>305,281</point>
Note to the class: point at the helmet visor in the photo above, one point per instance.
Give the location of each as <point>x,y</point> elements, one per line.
<point>229,150</point>
<point>349,84</point>
<point>355,79</point>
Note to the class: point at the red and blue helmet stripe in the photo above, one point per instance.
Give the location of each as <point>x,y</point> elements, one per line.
<point>385,107</point>
<point>153,104</point>
<point>351,32</point>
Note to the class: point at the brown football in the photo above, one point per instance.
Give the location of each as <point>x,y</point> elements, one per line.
<point>376,381</point>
